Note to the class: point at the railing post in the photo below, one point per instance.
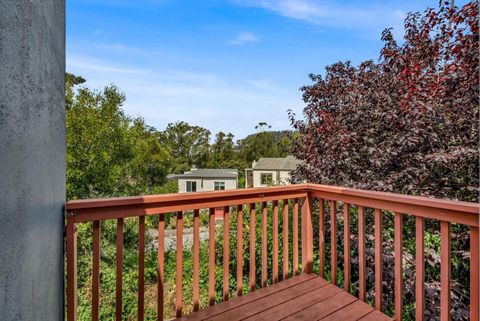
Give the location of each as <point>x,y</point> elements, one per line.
<point>161,266</point>
<point>378,259</point>
<point>333,242</point>
<point>252,248</point>
<point>226,251</point>
<point>307,234</point>
<point>445,271</point>
<point>196,260</point>
<point>71,268</point>
<point>362,266</point>
<point>211,257</point>
<point>178,299</point>
<point>398,288</point>
<point>264,244</point>
<point>474,274</point>
<point>419,268</point>
<point>295,237</point>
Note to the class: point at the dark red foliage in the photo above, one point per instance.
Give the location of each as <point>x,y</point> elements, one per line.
<point>407,124</point>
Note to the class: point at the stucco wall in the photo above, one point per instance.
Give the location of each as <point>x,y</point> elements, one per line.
<point>285,177</point>
<point>278,177</point>
<point>32,159</point>
<point>208,184</point>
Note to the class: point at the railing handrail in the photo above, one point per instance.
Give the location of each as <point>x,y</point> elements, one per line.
<point>299,196</point>
<point>121,207</point>
<point>467,207</point>
<point>441,209</point>
<point>149,199</point>
<point>433,208</point>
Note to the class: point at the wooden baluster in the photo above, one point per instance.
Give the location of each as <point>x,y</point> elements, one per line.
<point>141,268</point>
<point>71,268</point>
<point>252,247</point>
<point>239,250</point>
<point>307,235</point>
<point>378,259</point>
<point>285,239</point>
<point>321,237</point>
<point>474,273</point>
<point>361,253</point>
<point>118,296</point>
<point>196,260</point>
<point>161,266</point>
<point>295,237</point>
<point>226,251</point>
<point>178,301</point>
<point>398,234</point>
<point>419,268</point>
<point>275,242</point>
<point>264,244</point>
<point>333,238</point>
<point>445,271</point>
<point>346,246</point>
<point>96,271</point>
<point>211,256</point>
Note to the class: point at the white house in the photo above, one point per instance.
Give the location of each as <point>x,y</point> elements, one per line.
<point>206,179</point>
<point>270,171</point>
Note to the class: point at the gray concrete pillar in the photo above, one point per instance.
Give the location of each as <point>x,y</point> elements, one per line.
<point>32,159</point>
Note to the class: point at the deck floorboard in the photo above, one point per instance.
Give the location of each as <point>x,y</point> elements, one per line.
<point>304,297</point>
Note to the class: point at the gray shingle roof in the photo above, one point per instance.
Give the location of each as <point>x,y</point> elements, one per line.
<point>207,173</point>
<point>288,163</point>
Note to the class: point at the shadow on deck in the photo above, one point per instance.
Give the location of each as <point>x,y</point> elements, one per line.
<point>304,297</point>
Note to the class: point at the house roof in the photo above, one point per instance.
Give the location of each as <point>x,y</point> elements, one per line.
<point>207,173</point>
<point>288,163</point>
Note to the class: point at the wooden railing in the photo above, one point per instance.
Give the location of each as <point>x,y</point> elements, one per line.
<point>311,199</point>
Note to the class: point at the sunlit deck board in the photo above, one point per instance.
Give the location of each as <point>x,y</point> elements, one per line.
<point>305,297</point>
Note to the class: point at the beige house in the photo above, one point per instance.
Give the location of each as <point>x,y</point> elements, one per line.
<point>206,179</point>
<point>270,171</point>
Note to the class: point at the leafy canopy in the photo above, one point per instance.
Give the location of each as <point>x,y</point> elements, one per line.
<point>109,153</point>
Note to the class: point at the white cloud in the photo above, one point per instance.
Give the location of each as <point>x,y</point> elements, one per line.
<point>118,47</point>
<point>84,63</point>
<point>265,84</point>
<point>243,38</point>
<point>162,95</point>
<point>130,50</point>
<point>330,13</point>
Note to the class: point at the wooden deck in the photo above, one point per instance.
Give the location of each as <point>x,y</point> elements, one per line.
<point>305,297</point>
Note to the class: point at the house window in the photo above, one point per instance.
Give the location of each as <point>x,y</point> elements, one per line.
<point>266,179</point>
<point>219,186</point>
<point>191,186</point>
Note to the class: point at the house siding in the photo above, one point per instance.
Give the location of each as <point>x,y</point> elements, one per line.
<point>278,177</point>
<point>206,184</point>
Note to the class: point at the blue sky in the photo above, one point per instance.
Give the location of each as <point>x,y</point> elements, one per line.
<point>223,65</point>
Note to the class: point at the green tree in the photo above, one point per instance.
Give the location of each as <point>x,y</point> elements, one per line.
<point>151,161</point>
<point>109,153</point>
<point>264,144</point>
<point>189,145</point>
<point>222,152</point>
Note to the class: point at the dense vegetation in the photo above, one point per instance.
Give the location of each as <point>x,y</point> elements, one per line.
<point>407,123</point>
<point>112,154</point>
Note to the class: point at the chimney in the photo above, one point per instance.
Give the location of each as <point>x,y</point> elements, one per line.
<point>194,168</point>
<point>254,163</point>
